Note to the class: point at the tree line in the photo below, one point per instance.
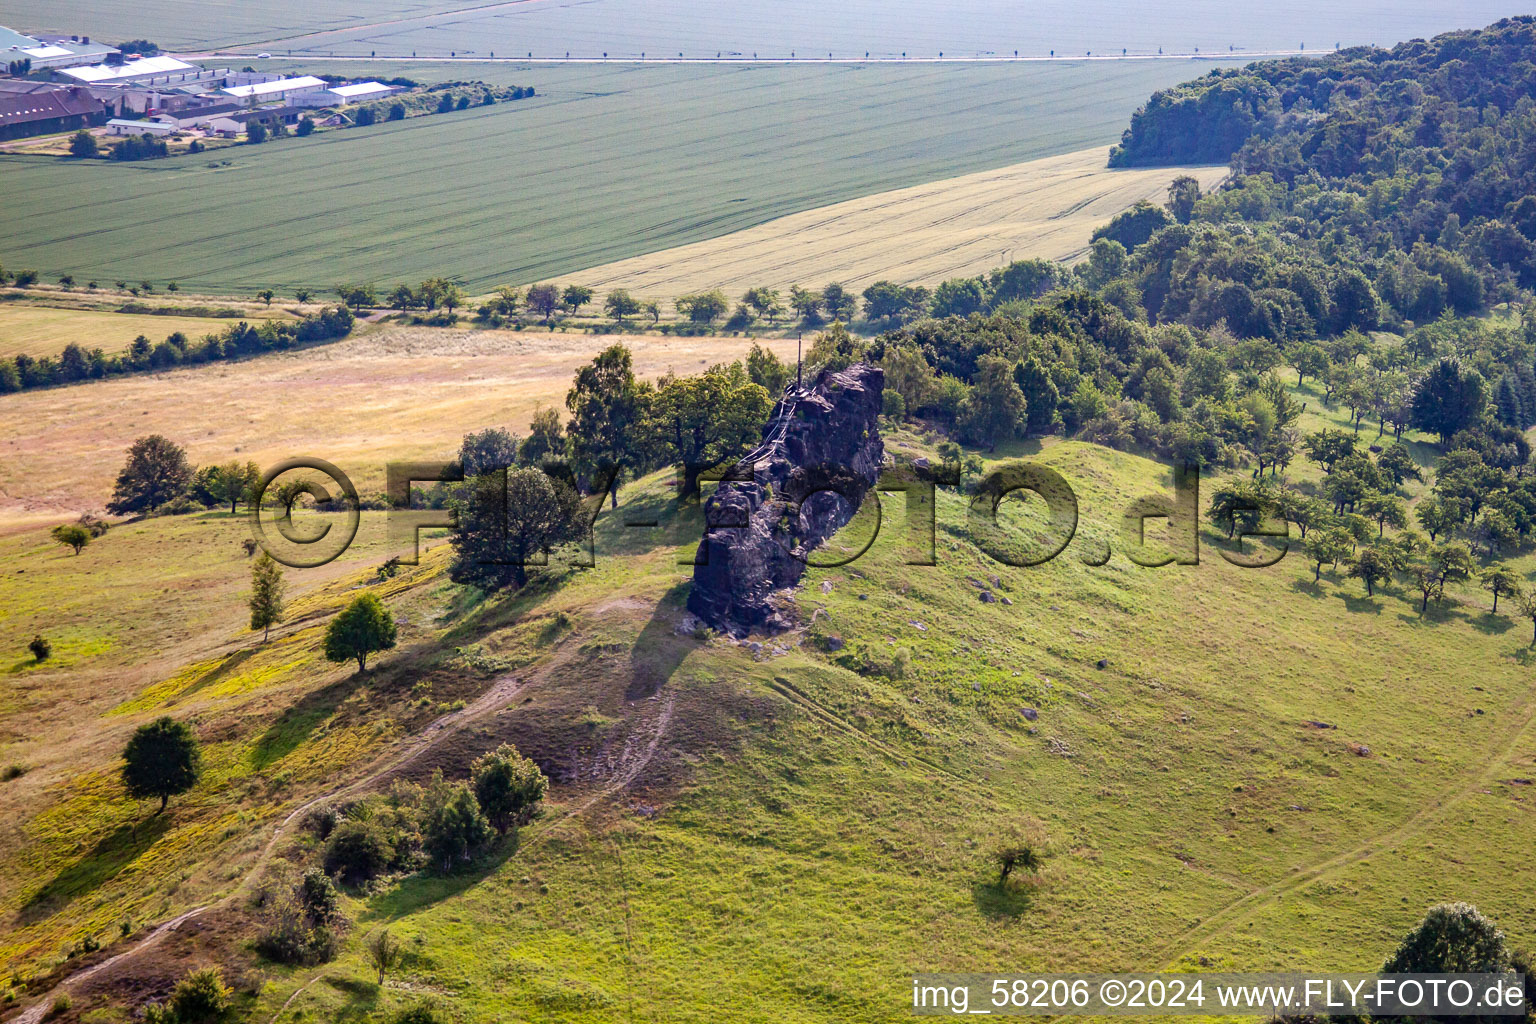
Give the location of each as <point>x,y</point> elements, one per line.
<point>240,340</point>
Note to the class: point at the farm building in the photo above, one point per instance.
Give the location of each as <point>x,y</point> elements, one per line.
<point>281,89</point>
<point>191,117</point>
<point>13,40</point>
<point>118,126</point>
<point>41,108</point>
<point>65,52</point>
<point>339,95</point>
<point>144,71</point>
<point>230,125</point>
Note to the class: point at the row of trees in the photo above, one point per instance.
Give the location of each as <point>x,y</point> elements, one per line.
<point>238,341</point>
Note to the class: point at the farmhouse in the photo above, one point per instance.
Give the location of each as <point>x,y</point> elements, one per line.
<point>40,108</point>
<point>281,89</point>
<point>118,126</point>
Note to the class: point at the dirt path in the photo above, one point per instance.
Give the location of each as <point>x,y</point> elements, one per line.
<point>501,693</point>
<point>633,760</point>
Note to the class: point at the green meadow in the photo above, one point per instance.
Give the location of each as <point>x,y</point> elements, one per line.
<point>805,825</point>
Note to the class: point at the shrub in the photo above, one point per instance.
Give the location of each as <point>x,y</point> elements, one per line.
<point>508,786</point>
<point>41,649</point>
<point>200,998</point>
<point>358,851</point>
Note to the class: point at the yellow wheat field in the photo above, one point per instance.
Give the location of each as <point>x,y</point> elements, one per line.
<point>918,235</point>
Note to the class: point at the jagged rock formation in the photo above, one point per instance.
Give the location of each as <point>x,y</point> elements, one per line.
<point>820,455</point>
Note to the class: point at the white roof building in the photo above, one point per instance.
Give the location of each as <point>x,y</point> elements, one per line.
<point>119,126</point>
<point>277,89</point>
<point>145,67</point>
<point>359,91</point>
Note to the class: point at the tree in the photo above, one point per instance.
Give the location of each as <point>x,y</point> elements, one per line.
<point>83,145</point>
<point>1327,547</point>
<point>545,441</point>
<point>891,304</point>
<point>504,519</point>
<point>607,406</point>
<point>575,296</point>
<point>1040,394</point>
<point>200,998</point>
<point>1525,600</point>
<point>1453,938</point>
<point>1449,399</point>
<point>266,595</point>
<point>487,451</point>
<point>1385,510</point>
<point>1308,360</point>
<point>305,127</point>
<point>703,308</point>
<point>994,410</point>
<point>363,627</point>
<point>383,953</point>
<point>1434,569</point>
<point>256,133</point>
<point>1397,463</point>
<point>766,369</point>
<point>1370,567</point>
<point>808,304</point>
<point>840,303</point>
<point>543,299</point>
<point>700,421</point>
<point>508,786</point>
<point>764,302</point>
<point>652,309</point>
<point>162,759</point>
<point>72,535</point>
<point>1437,516</point>
<point>1499,579</point>
<point>156,471</point>
<point>959,296</point>
<point>1328,446</point>
<point>455,829</point>
<point>1183,194</point>
<point>621,305</point>
<point>234,483</point>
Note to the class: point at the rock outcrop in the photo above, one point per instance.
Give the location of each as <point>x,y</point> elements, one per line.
<point>820,455</point>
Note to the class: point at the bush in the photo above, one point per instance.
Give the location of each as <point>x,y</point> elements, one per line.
<point>41,649</point>
<point>423,1013</point>
<point>200,998</point>
<point>358,851</point>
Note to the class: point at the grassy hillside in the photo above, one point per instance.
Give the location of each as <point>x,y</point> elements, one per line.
<point>606,163</point>
<point>793,831</point>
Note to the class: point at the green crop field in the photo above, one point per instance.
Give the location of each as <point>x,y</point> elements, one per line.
<point>605,163</point>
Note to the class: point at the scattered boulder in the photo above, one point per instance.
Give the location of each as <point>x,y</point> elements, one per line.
<point>1102,663</point>
<point>1030,714</point>
<point>986,597</point>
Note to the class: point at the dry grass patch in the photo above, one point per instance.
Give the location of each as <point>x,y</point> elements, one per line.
<point>919,235</point>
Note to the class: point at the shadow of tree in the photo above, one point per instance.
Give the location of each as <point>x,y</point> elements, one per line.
<point>1491,624</point>
<point>1307,586</point>
<point>295,725</point>
<point>999,901</point>
<point>1362,603</point>
<point>658,650</point>
<point>425,888</point>
<point>213,675</point>
<point>110,855</point>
